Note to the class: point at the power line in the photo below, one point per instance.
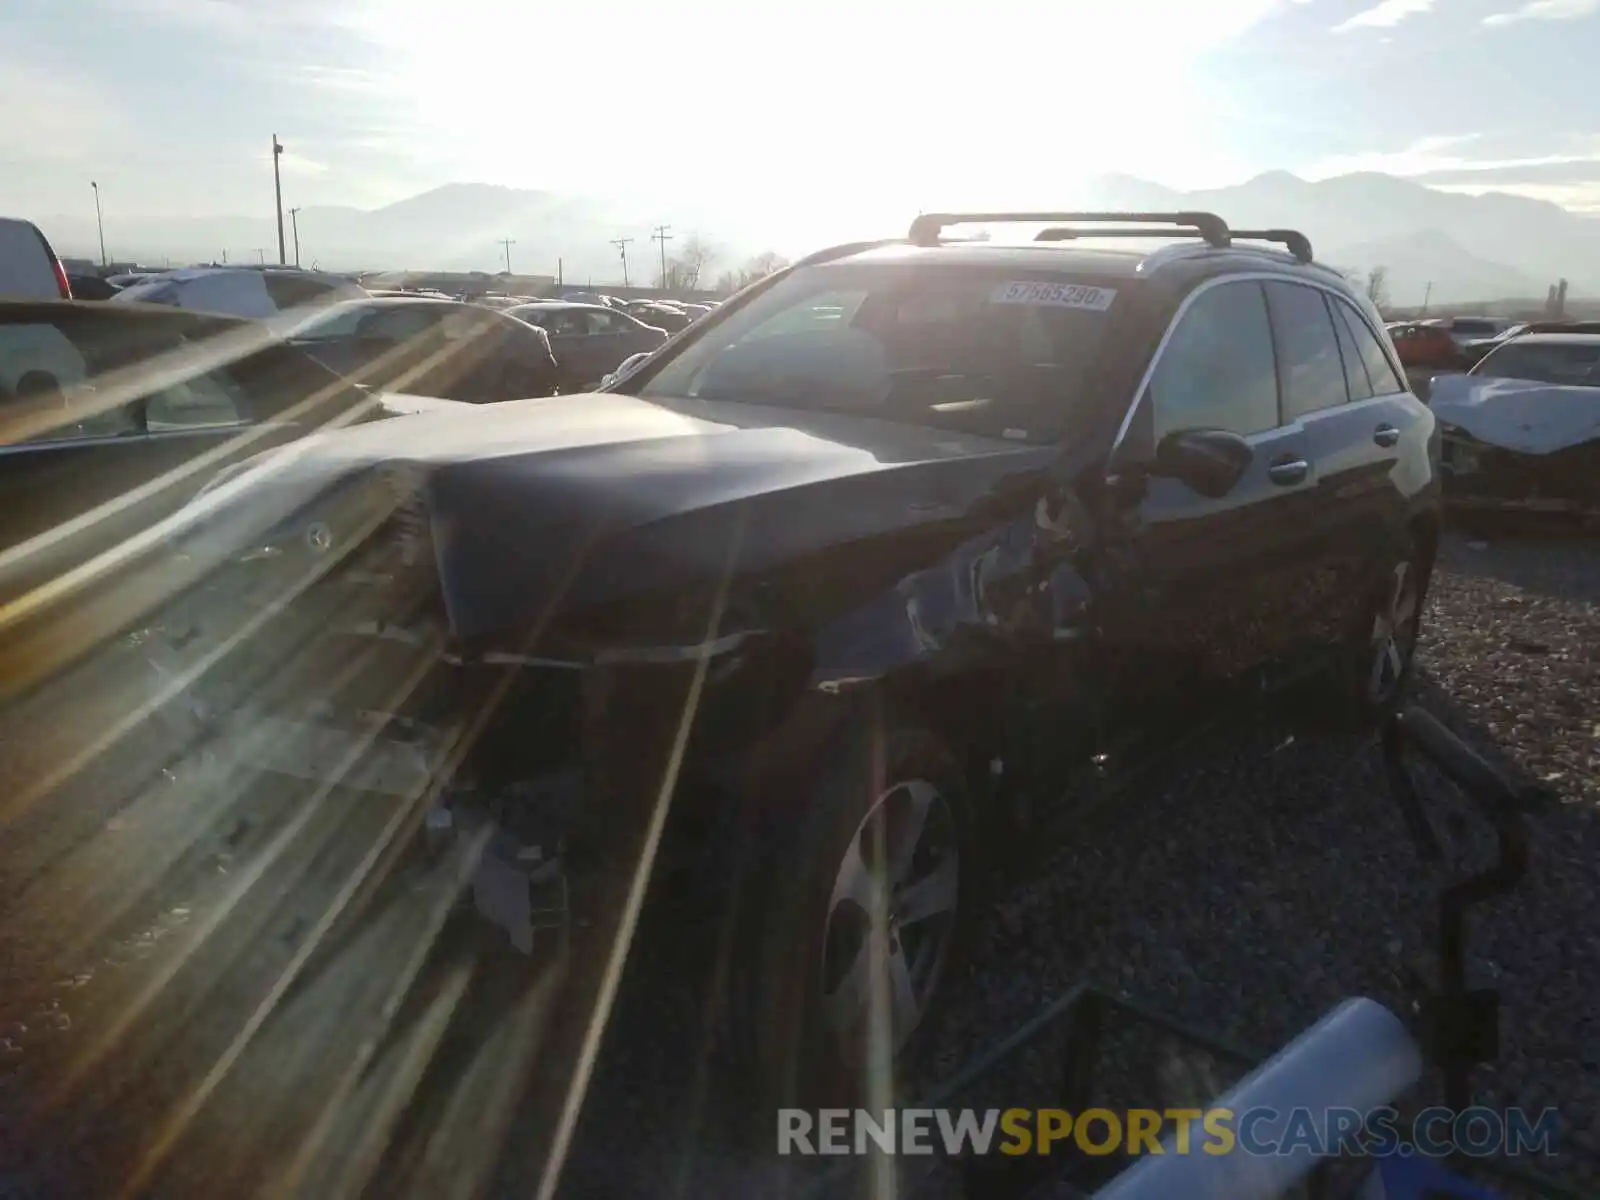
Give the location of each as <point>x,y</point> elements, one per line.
<point>622,244</point>
<point>662,234</point>
<point>507,243</point>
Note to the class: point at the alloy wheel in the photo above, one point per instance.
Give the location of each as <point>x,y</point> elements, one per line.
<point>1394,634</point>
<point>891,922</point>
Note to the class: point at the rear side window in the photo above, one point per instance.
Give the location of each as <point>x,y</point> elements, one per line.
<point>291,291</point>
<point>605,322</point>
<point>200,402</point>
<point>1355,371</point>
<point>1380,370</point>
<point>1218,370</point>
<point>1309,367</point>
<point>42,370</point>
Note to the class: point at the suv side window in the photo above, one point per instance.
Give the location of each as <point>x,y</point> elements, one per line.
<point>1379,369</point>
<point>1218,370</point>
<point>1355,373</point>
<point>1309,366</point>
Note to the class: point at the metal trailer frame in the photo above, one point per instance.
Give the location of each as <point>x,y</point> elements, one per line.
<point>1456,1025</point>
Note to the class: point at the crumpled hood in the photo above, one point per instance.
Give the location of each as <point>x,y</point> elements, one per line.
<point>1518,414</point>
<point>573,500</point>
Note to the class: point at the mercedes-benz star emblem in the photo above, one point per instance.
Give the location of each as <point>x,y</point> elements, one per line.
<point>319,537</point>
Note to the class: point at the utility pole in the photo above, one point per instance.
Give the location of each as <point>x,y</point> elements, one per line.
<point>662,234</point>
<point>277,192</point>
<point>99,223</point>
<point>506,244</point>
<point>559,273</point>
<point>224,257</point>
<point>622,244</point>
<point>1426,293</point>
<point>261,255</point>
<point>294,225</point>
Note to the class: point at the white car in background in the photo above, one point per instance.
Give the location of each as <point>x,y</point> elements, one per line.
<point>262,293</point>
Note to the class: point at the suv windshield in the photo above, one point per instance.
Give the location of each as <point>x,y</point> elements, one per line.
<point>993,352</point>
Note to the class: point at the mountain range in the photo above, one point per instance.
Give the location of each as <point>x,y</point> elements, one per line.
<point>1453,247</point>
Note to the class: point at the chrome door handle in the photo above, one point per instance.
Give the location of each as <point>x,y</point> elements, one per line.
<point>1293,470</point>
<point>1386,435</point>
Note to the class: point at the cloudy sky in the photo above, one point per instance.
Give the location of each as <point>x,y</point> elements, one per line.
<point>170,104</point>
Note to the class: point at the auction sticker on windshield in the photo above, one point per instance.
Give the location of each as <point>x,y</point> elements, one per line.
<point>1054,295</point>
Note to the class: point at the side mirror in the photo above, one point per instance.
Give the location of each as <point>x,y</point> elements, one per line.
<point>1211,461</point>
<point>626,365</point>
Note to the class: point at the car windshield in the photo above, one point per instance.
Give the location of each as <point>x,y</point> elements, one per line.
<point>995,353</point>
<point>1573,363</point>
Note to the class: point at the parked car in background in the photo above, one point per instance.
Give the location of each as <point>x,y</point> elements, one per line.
<point>1426,346</point>
<point>442,348</point>
<point>29,268</point>
<point>1521,430</point>
<point>913,532</point>
<point>1468,329</point>
<point>127,279</point>
<point>589,340</point>
<point>1474,350</point>
<point>670,317</point>
<point>241,291</point>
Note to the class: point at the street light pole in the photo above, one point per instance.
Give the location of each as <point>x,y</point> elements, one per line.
<point>277,190</point>
<point>99,222</point>
<point>294,224</point>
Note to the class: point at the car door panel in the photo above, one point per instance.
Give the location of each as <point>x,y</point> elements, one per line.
<point>1359,447</point>
<point>1193,593</point>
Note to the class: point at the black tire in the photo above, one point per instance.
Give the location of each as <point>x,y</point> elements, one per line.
<point>797,930</point>
<point>1373,676</point>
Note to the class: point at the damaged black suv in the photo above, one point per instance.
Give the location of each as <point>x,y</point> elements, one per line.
<point>829,604</point>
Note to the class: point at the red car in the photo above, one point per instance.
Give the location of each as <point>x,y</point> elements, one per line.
<point>1426,346</point>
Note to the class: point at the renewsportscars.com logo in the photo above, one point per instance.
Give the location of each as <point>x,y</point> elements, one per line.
<point>1378,1133</point>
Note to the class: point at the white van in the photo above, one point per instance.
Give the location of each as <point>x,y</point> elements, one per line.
<point>29,268</point>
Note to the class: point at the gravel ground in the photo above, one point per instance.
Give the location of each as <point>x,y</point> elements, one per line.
<point>1259,879</point>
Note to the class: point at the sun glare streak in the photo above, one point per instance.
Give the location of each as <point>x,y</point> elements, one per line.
<point>288,1185</point>
<point>348,899</point>
<point>128,1015</point>
<point>155,536</point>
<point>577,1091</point>
<point>177,1122</point>
<point>24,800</point>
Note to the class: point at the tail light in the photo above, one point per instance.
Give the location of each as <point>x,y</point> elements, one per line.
<point>61,280</point>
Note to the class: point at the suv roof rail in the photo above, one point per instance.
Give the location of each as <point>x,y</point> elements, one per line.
<point>925,230</point>
<point>843,250</point>
<point>1296,242</point>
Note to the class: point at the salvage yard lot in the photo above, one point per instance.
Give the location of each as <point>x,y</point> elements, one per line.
<point>1258,880</point>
